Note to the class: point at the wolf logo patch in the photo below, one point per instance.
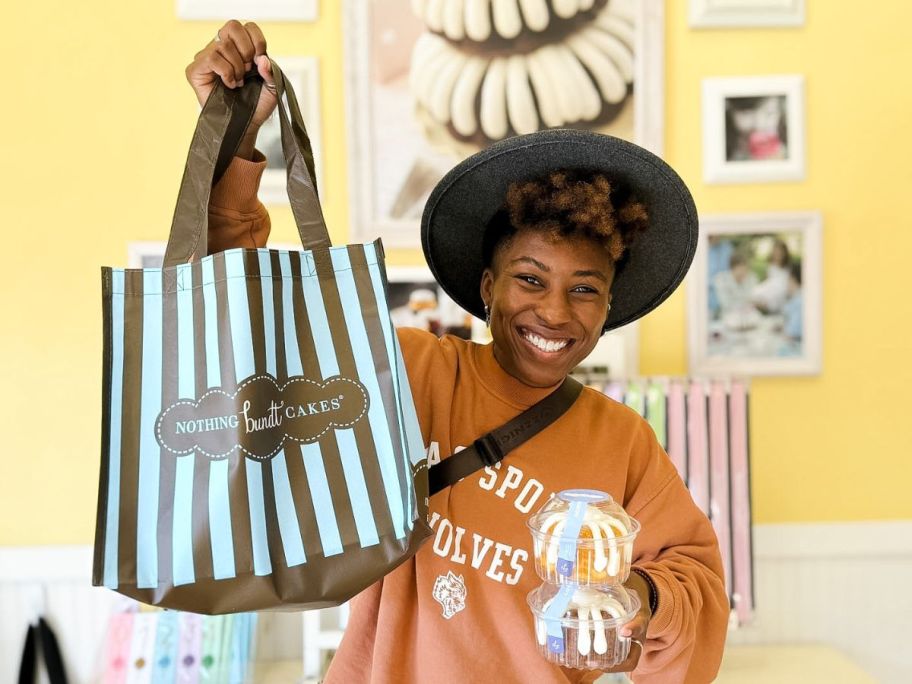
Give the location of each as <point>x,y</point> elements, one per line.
<point>450,592</point>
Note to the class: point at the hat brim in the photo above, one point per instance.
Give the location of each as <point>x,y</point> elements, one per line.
<point>463,202</point>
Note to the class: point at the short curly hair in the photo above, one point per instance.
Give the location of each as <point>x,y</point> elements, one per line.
<point>569,203</point>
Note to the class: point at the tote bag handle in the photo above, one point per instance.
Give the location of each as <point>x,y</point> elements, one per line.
<point>222,122</point>
<point>41,643</point>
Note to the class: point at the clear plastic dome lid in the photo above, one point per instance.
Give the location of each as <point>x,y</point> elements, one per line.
<point>591,504</point>
<point>583,536</point>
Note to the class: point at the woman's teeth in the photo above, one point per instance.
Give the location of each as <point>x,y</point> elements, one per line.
<point>545,345</point>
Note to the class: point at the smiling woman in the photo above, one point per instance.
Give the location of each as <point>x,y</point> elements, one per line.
<point>546,236</point>
<point>550,256</point>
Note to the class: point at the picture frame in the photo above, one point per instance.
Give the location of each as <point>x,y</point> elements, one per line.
<point>755,294</point>
<point>416,300</point>
<point>754,129</point>
<point>746,13</point>
<point>259,10</point>
<point>397,155</point>
<point>303,72</point>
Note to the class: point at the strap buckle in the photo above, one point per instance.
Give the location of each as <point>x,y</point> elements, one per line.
<point>488,449</point>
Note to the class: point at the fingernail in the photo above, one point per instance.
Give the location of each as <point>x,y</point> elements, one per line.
<point>248,66</point>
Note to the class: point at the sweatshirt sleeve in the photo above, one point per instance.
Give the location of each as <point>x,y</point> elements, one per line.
<point>236,217</point>
<point>677,547</point>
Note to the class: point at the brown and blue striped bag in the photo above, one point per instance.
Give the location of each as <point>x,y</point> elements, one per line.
<point>260,447</point>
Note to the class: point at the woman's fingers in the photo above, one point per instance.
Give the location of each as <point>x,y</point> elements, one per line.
<point>243,45</point>
<point>223,68</point>
<point>256,38</point>
<point>635,628</point>
<point>235,33</point>
<point>206,68</point>
<point>229,56</point>
<point>227,48</point>
<point>264,67</point>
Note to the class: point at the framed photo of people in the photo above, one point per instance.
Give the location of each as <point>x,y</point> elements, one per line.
<point>417,301</point>
<point>753,129</point>
<point>429,83</point>
<point>746,13</point>
<point>755,295</point>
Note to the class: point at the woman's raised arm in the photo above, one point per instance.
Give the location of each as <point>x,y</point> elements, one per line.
<point>236,216</point>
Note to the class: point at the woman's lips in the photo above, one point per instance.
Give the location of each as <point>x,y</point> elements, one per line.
<point>545,344</point>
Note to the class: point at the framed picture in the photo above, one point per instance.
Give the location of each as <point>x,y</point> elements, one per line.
<point>755,295</point>
<point>304,75</point>
<point>753,129</point>
<point>746,13</point>
<point>417,301</point>
<point>426,89</point>
<point>258,10</point>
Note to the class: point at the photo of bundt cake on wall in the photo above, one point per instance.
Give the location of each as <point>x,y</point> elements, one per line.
<point>430,82</point>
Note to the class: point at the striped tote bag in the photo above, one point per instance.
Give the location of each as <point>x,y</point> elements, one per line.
<point>260,447</point>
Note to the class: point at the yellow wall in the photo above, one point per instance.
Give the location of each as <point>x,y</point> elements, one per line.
<point>96,121</point>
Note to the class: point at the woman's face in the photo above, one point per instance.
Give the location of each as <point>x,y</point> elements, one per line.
<point>548,300</point>
<point>778,255</point>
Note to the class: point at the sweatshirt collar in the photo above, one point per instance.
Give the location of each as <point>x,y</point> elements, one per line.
<point>500,383</point>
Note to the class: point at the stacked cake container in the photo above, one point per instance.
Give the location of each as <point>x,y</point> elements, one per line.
<point>583,546</point>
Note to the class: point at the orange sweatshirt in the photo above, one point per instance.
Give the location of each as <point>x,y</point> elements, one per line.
<point>398,632</point>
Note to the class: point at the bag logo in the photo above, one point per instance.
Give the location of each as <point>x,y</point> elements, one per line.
<point>260,416</point>
<point>450,592</point>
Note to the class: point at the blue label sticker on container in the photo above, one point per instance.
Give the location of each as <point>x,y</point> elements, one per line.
<point>556,644</point>
<point>564,567</point>
<point>553,614</point>
<point>566,555</point>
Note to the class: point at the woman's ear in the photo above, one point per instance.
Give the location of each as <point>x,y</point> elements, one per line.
<point>487,286</point>
<point>607,315</point>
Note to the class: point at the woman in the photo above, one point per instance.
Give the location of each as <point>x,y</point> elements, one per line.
<point>554,239</point>
<point>771,294</point>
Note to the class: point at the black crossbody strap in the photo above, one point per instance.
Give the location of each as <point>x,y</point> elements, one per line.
<point>492,447</point>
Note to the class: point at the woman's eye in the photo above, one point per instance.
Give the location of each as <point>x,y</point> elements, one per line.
<point>585,289</point>
<point>531,280</point>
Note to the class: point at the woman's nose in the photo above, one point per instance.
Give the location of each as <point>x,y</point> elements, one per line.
<point>554,309</point>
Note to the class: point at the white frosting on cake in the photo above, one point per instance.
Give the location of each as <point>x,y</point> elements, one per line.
<point>570,80</point>
<point>479,20</point>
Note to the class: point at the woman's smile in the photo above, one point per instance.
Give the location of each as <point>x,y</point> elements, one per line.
<point>544,343</point>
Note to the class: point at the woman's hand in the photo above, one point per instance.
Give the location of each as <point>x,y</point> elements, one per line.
<point>233,52</point>
<point>636,628</point>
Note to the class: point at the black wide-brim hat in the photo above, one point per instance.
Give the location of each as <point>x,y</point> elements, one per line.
<point>462,204</point>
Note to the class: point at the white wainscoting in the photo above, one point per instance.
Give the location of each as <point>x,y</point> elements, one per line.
<point>56,581</point>
<point>842,584</point>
